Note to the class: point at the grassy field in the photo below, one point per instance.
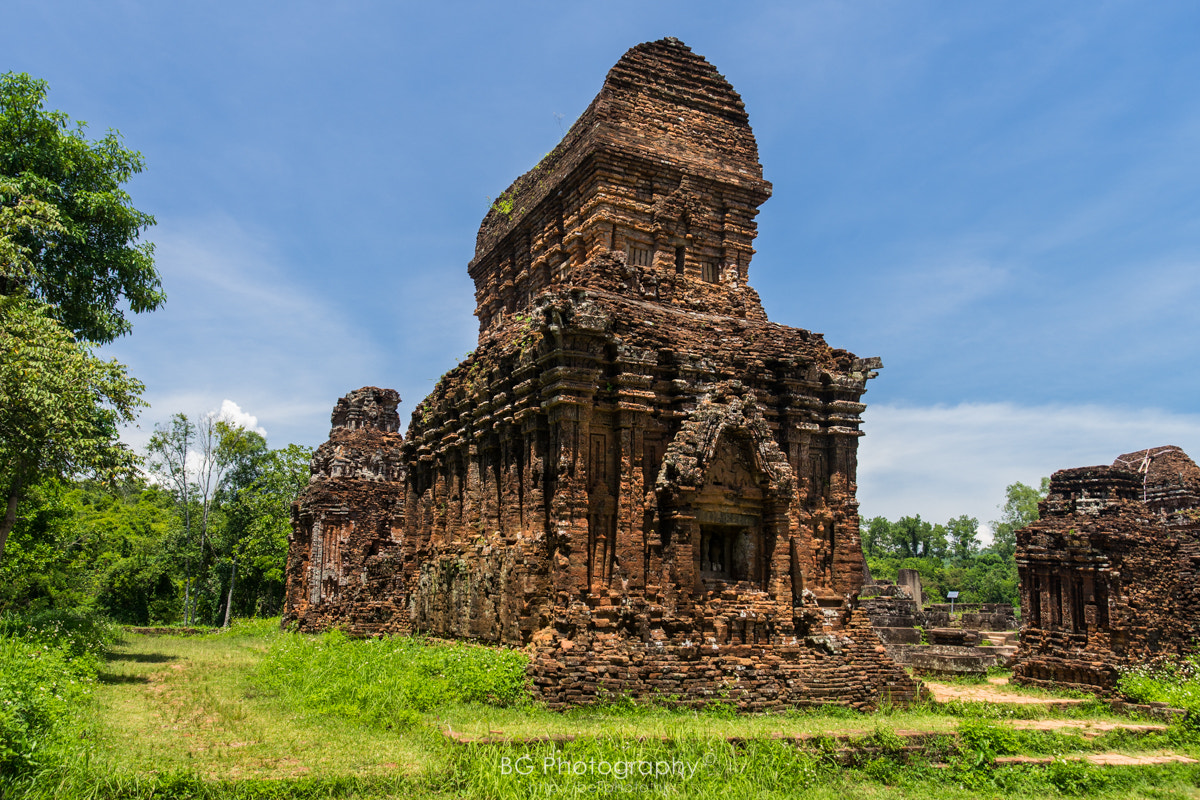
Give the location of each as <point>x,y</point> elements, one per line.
<point>172,704</point>
<point>237,714</point>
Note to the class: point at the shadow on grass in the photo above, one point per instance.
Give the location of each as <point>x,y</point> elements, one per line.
<point>141,658</point>
<point>112,678</point>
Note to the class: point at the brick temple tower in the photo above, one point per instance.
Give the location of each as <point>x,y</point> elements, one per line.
<point>635,473</point>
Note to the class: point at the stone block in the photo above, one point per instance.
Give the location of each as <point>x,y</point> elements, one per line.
<point>959,637</point>
<point>899,635</point>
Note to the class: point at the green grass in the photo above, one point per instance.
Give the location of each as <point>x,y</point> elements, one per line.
<point>1176,683</point>
<point>656,722</point>
<point>707,768</point>
<point>256,713</point>
<point>192,704</point>
<point>390,682</point>
<point>48,664</point>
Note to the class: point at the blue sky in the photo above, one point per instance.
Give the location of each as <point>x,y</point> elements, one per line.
<point>1000,200</point>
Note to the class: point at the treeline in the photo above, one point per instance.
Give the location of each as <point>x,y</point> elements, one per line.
<point>950,557</point>
<point>199,539</point>
<point>194,532</point>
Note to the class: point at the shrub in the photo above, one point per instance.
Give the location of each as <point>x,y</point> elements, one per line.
<point>48,662</point>
<point>1176,683</point>
<point>388,681</point>
<point>77,633</point>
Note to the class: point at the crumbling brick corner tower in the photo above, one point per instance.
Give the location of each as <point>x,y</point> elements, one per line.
<point>636,474</point>
<point>1110,572</point>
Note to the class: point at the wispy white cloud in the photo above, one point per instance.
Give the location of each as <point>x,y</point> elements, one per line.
<point>942,461</point>
<point>239,322</point>
<point>942,284</point>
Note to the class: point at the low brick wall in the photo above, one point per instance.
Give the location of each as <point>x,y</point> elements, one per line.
<point>851,670</point>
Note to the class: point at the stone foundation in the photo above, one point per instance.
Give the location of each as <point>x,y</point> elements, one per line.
<point>845,669</point>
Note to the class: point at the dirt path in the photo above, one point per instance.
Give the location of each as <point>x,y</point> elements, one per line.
<point>187,704</point>
<point>1105,759</point>
<point>1088,727</point>
<point>991,693</point>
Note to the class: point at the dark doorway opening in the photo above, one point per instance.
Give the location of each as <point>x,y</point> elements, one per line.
<point>724,553</point>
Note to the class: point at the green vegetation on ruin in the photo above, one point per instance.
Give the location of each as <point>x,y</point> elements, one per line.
<point>1176,683</point>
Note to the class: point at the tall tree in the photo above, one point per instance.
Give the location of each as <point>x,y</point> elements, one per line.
<point>913,537</point>
<point>83,255</point>
<point>70,262</point>
<point>876,534</point>
<point>168,460</point>
<point>242,455</point>
<point>204,464</point>
<point>963,533</point>
<point>1020,508</point>
<point>60,406</point>
<point>257,523</point>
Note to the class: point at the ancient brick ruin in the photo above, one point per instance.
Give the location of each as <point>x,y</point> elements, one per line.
<point>344,567</point>
<point>635,474</point>
<point>1110,573</point>
<point>928,639</point>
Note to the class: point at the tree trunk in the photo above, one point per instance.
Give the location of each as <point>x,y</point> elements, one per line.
<point>10,519</point>
<point>187,595</point>
<point>229,597</point>
<point>187,559</point>
<point>10,513</point>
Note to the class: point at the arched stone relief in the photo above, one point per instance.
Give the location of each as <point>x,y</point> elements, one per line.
<point>726,488</point>
<point>728,408</point>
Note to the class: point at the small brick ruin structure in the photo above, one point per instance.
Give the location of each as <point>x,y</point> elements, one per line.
<point>926,637</point>
<point>635,474</point>
<point>1110,573</point>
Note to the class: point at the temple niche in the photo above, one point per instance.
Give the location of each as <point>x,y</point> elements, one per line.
<point>1110,573</point>
<point>635,474</point>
